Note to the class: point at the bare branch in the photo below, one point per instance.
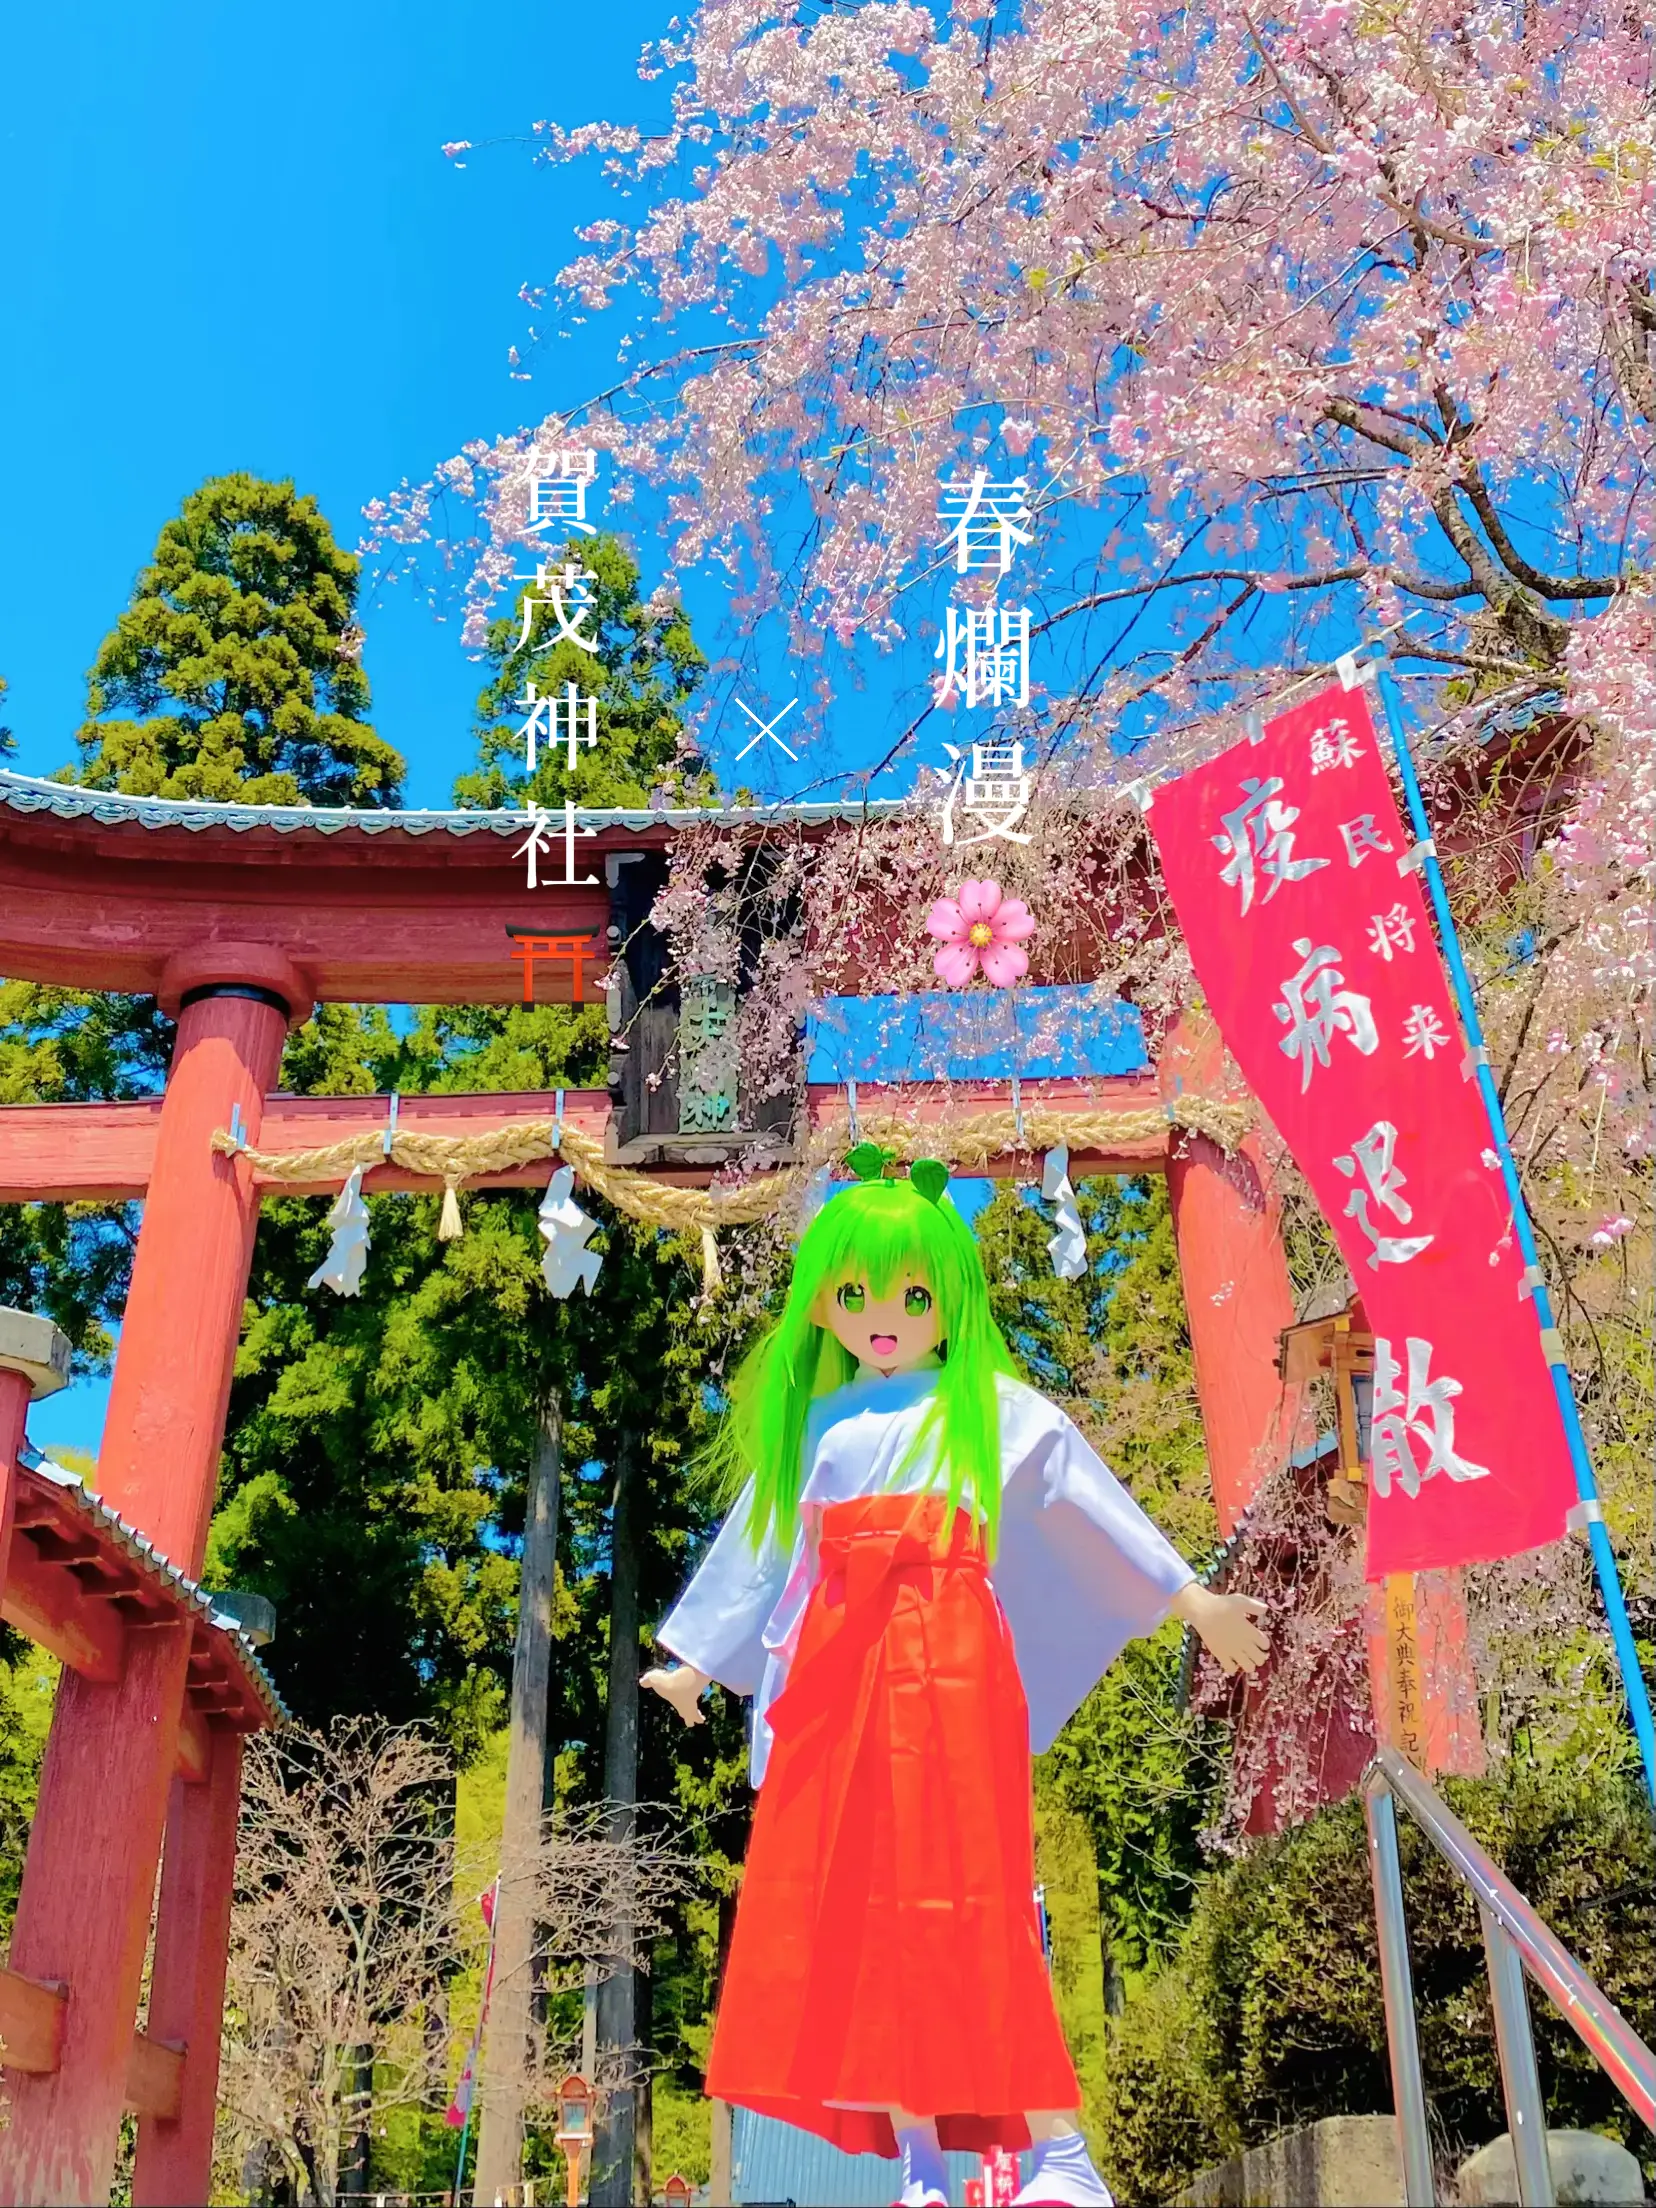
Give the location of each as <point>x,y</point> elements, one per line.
<point>351,1922</point>
<point>1476,493</point>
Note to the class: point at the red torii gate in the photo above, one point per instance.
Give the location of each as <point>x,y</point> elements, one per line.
<point>239,920</point>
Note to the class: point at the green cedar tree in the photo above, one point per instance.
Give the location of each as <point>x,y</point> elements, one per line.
<point>237,648</point>
<point>237,662</point>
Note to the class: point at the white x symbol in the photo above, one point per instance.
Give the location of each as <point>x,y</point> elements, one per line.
<point>768,728</point>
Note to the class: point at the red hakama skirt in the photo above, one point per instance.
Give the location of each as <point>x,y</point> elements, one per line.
<point>886,1951</point>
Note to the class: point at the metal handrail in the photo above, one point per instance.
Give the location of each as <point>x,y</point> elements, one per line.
<point>1515,1940</point>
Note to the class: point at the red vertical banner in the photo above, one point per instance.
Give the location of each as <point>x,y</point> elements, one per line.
<point>1296,887</point>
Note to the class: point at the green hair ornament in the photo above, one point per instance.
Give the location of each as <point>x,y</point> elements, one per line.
<point>870,1162</point>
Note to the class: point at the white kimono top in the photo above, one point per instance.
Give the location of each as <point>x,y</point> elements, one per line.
<point>1079,1569</point>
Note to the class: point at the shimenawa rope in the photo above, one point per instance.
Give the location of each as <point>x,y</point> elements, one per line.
<point>967,1143</point>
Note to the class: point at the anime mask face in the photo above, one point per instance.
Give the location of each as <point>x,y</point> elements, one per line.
<point>886,1334</point>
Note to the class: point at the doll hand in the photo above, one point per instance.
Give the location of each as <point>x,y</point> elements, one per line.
<point>682,1685</point>
<point>1227,1625</point>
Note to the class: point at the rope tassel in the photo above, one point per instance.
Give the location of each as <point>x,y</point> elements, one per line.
<point>450,1227</point>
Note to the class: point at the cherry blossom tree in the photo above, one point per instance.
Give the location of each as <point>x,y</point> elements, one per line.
<point>1325,304</point>
<point>1299,325</point>
<point>353,1914</point>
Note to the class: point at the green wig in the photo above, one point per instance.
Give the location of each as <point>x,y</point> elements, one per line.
<point>881,1234</point>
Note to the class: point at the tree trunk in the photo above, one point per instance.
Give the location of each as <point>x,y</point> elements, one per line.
<point>510,2050</point>
<point>644,2093</point>
<point>358,2143</point>
<point>612,2160</point>
<point>1115,1986</point>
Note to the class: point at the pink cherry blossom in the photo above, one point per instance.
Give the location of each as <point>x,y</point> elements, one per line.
<point>980,930</point>
<point>1338,248</point>
<point>1606,1236</point>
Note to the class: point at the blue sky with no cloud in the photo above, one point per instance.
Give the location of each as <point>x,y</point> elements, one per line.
<point>231,240</point>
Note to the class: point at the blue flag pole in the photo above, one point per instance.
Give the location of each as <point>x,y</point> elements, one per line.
<point>1588,1511</point>
<point>460,2164</point>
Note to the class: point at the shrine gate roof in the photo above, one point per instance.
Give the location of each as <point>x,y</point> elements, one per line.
<point>110,808</point>
<point>92,1552</point>
<point>157,896</point>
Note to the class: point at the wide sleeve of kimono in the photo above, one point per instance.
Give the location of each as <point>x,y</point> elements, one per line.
<point>718,1623</point>
<point>1080,1569</point>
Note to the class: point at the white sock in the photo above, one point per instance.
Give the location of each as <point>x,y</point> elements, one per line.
<point>1063,2174</point>
<point>925,2175</point>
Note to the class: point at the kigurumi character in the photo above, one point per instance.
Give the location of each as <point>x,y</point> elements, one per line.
<point>924,1568</point>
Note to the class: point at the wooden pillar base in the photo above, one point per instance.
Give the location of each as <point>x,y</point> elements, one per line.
<point>192,1937</point>
<point>83,1915</point>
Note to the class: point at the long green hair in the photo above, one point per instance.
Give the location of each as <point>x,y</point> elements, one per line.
<point>880,1234</point>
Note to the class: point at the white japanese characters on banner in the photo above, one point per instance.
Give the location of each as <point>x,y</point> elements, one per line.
<point>985,656</point>
<point>1296,889</point>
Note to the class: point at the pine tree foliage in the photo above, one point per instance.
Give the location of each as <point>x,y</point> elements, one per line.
<point>234,673</point>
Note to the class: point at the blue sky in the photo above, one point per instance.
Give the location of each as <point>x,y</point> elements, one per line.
<point>231,241</point>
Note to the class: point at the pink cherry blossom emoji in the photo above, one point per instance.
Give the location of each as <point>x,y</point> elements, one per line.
<point>980,929</point>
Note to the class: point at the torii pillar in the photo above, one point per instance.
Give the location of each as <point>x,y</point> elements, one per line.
<point>1227,1225</point>
<point>83,1914</point>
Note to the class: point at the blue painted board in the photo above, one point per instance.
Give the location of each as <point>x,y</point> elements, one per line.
<point>983,1035</point>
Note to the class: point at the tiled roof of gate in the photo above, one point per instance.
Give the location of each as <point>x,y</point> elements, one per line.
<point>111,1526</point>
<point>21,793</point>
